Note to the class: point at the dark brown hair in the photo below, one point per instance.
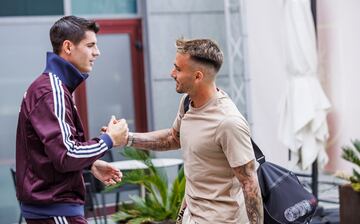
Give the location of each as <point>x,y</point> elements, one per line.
<point>70,28</point>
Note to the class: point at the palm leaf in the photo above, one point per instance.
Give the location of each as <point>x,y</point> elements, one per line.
<point>356,175</point>
<point>158,210</point>
<point>356,144</point>
<point>356,186</point>
<point>135,154</point>
<point>140,205</point>
<point>350,155</point>
<point>160,187</point>
<point>130,209</point>
<point>177,192</point>
<point>133,177</point>
<point>121,216</point>
<point>140,220</point>
<point>159,177</point>
<point>148,208</point>
<point>159,203</point>
<point>180,195</point>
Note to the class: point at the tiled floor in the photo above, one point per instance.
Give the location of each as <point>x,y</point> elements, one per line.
<point>328,191</point>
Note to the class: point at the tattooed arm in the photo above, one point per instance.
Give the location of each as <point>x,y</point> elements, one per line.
<point>161,140</point>
<point>247,176</point>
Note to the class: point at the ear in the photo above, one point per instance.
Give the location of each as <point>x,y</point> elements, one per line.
<point>199,75</point>
<point>67,47</point>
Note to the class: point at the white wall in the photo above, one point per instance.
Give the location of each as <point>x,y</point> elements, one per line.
<point>339,44</point>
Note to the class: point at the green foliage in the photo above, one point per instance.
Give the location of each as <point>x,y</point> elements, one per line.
<point>160,202</point>
<point>351,154</point>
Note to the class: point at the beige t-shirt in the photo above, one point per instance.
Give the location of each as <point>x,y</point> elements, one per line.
<point>214,138</point>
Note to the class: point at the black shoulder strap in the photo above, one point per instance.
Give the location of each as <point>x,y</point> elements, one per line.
<point>260,158</point>
<point>258,153</point>
<point>186,103</point>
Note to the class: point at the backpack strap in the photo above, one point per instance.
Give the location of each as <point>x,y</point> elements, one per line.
<point>186,103</point>
<point>260,158</point>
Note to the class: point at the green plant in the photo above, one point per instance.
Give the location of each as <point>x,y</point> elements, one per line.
<point>351,154</point>
<point>160,202</point>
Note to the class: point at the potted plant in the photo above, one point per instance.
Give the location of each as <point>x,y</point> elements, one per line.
<point>350,193</point>
<point>160,204</point>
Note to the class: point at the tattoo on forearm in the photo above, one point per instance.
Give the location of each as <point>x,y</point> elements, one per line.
<point>251,190</point>
<point>158,140</point>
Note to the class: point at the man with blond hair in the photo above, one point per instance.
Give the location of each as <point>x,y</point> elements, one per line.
<point>219,162</point>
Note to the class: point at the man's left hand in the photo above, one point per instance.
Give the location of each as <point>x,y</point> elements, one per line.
<point>105,172</point>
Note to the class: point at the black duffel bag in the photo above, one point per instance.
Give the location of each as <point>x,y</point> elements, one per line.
<point>284,198</point>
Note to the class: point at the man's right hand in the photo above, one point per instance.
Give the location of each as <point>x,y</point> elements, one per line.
<point>118,131</point>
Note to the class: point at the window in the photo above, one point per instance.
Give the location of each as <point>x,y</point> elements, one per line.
<point>31,8</point>
<point>56,7</point>
<point>91,7</point>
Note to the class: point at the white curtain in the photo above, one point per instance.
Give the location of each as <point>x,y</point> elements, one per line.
<point>303,126</point>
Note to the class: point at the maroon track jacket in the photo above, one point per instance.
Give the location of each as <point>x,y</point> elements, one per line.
<point>51,150</point>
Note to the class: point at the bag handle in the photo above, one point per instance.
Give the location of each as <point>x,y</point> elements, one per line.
<point>260,158</point>
<point>186,103</point>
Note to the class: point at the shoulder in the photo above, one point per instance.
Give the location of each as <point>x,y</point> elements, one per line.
<point>234,123</point>
<point>39,88</point>
<point>225,103</point>
<point>47,82</point>
<point>40,83</point>
<point>229,110</point>
<point>44,87</point>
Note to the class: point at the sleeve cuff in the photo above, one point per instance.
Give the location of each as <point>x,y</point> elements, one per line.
<point>106,138</point>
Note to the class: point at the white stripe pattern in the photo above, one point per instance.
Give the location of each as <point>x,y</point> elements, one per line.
<point>56,220</point>
<point>64,220</point>
<point>60,220</point>
<point>77,151</point>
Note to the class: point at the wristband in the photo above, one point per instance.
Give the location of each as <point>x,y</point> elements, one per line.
<point>130,139</point>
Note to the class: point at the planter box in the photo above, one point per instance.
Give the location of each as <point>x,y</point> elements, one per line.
<point>349,205</point>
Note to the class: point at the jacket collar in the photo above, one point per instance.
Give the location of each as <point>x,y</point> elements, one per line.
<point>63,69</point>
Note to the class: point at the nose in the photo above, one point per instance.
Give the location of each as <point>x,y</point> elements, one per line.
<point>96,51</point>
<point>173,73</point>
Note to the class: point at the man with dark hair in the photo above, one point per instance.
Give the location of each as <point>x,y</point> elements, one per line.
<point>70,28</point>
<point>51,150</point>
<point>218,157</point>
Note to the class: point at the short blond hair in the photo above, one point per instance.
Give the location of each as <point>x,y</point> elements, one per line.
<point>203,51</point>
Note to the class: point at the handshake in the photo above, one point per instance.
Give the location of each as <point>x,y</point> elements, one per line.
<point>118,131</point>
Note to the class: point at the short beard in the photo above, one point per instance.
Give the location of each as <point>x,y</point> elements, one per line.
<point>181,91</point>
